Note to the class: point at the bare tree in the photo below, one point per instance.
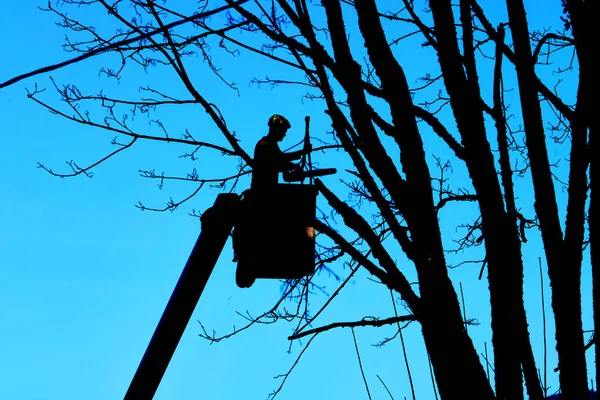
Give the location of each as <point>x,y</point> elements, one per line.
<point>384,125</point>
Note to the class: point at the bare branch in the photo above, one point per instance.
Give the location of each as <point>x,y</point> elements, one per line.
<point>367,321</point>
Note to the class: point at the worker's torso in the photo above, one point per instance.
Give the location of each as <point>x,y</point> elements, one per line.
<point>268,162</point>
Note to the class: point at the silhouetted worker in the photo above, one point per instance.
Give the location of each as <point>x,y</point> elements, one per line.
<point>260,201</point>
<point>269,160</point>
<point>263,229</point>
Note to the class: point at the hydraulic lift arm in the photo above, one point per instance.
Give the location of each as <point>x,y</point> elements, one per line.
<point>217,223</point>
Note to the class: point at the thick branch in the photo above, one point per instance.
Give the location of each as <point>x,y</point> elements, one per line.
<point>441,131</point>
<point>543,89</point>
<point>395,281</point>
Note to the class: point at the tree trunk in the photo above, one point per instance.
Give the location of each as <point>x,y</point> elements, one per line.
<point>439,314</point>
<point>502,243</point>
<point>583,17</point>
<point>563,268</point>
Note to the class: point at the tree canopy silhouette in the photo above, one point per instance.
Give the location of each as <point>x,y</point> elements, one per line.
<point>479,142</point>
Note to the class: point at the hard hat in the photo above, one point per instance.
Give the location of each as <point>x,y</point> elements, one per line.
<point>278,121</point>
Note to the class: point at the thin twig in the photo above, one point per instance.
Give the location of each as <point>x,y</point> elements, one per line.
<point>412,387</point>
<point>544,329</point>
<point>487,362</point>
<point>462,300</point>
<point>274,393</point>
<point>334,295</point>
<point>360,364</point>
<point>432,378</point>
<point>372,321</point>
<point>385,386</point>
<point>214,339</point>
<point>78,170</point>
<point>111,46</point>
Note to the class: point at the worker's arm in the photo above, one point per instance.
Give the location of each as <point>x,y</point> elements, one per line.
<point>295,155</point>
<point>286,163</point>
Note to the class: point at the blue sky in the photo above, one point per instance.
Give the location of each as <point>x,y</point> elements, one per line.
<point>85,275</point>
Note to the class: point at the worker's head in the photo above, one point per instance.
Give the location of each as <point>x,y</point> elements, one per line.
<point>278,127</point>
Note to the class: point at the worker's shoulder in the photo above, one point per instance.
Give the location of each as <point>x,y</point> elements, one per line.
<point>266,144</point>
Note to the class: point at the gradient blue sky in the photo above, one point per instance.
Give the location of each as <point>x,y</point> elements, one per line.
<point>85,276</point>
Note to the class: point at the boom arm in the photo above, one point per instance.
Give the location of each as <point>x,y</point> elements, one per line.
<point>217,223</point>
